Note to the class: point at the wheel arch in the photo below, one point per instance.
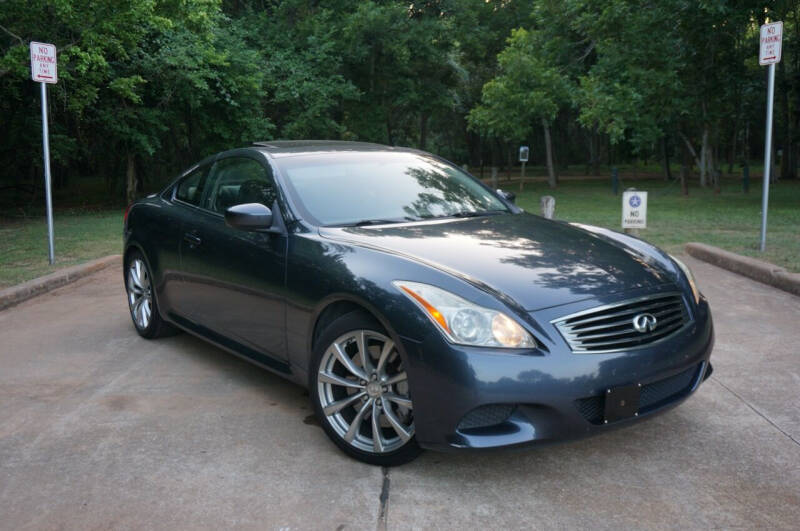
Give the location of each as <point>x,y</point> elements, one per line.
<point>134,246</point>
<point>130,248</point>
<point>337,305</point>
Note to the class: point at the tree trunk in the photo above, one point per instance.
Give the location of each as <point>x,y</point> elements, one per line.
<point>665,157</point>
<point>794,148</point>
<point>493,153</point>
<point>497,156</point>
<point>481,149</point>
<point>732,152</point>
<point>131,181</point>
<point>594,147</point>
<point>389,133</point>
<point>475,146</point>
<point>551,172</point>
<point>714,162</point>
<point>690,149</point>
<point>713,170</point>
<point>746,149</point>
<point>189,135</point>
<point>510,157</point>
<point>787,160</point>
<point>773,172</point>
<point>685,161</point>
<point>423,130</point>
<point>704,153</point>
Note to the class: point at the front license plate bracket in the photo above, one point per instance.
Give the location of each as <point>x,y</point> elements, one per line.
<point>622,402</point>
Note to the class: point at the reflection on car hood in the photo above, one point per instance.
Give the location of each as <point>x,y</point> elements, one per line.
<point>537,262</point>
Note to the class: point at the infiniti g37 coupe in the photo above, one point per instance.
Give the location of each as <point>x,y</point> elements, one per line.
<point>420,308</point>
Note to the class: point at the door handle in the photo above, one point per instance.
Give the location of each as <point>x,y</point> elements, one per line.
<point>192,239</point>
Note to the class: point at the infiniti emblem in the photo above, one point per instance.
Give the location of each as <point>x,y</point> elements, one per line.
<point>644,322</point>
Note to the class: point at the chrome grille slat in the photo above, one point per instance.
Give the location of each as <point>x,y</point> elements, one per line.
<point>630,311</point>
<point>622,322</point>
<point>610,328</point>
<point>641,340</point>
<point>661,322</point>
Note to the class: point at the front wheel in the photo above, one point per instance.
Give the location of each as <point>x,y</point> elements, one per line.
<point>359,388</point>
<point>142,299</point>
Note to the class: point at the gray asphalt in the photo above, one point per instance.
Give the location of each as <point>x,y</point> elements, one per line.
<point>102,429</point>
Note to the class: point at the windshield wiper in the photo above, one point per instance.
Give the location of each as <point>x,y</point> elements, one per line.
<point>388,221</point>
<point>366,222</point>
<point>472,213</point>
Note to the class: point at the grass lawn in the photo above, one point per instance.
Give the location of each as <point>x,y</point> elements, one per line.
<point>79,236</point>
<point>730,220</point>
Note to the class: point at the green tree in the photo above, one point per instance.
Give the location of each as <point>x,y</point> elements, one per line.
<point>398,55</point>
<point>526,93</point>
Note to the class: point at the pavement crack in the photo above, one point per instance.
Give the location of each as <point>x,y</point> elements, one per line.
<point>384,500</point>
<point>755,410</point>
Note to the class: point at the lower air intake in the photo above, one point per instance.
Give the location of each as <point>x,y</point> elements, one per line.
<point>485,416</point>
<point>653,395</point>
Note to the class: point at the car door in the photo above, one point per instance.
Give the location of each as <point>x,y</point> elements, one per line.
<point>186,198</point>
<point>234,279</point>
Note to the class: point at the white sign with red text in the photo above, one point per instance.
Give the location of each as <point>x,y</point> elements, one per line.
<point>44,66</point>
<point>769,51</point>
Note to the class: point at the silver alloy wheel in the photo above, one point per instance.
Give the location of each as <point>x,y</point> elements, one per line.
<point>140,295</point>
<point>363,391</point>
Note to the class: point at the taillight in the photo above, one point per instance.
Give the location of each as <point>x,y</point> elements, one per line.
<point>125,217</point>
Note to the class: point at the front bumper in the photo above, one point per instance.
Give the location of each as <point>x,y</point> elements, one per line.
<point>546,396</point>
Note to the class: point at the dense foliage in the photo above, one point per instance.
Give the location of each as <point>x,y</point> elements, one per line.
<point>149,86</point>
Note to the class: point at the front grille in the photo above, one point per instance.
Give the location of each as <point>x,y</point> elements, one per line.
<point>610,328</point>
<point>484,416</point>
<point>653,395</point>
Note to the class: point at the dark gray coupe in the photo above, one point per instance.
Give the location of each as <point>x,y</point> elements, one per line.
<point>420,308</point>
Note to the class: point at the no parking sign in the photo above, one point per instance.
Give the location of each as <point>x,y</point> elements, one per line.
<point>44,70</point>
<point>634,210</point>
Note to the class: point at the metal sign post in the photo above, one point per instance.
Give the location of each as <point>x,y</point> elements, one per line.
<point>769,53</point>
<point>524,152</point>
<point>44,69</point>
<point>51,253</point>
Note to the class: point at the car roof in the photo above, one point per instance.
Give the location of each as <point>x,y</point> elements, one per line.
<point>284,148</point>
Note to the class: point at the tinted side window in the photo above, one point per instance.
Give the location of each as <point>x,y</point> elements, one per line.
<point>190,189</point>
<point>239,180</point>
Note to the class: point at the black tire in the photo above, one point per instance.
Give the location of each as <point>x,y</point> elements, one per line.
<point>155,326</point>
<point>354,321</point>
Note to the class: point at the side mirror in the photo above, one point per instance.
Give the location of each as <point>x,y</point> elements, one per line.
<point>249,216</point>
<point>508,196</point>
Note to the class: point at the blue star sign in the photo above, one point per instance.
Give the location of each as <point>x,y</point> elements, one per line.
<point>635,201</point>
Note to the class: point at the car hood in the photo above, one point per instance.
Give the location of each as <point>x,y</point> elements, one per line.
<point>536,262</point>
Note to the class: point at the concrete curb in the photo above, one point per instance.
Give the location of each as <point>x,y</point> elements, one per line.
<point>22,292</point>
<point>759,270</point>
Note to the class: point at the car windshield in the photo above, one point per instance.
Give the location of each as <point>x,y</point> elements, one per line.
<point>371,188</point>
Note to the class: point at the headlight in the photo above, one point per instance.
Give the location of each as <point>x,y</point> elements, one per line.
<point>464,322</point>
<point>689,277</point>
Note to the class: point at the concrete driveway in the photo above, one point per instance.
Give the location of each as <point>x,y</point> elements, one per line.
<point>102,429</point>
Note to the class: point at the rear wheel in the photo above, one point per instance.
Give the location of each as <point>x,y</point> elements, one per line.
<point>359,389</point>
<point>142,299</point>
